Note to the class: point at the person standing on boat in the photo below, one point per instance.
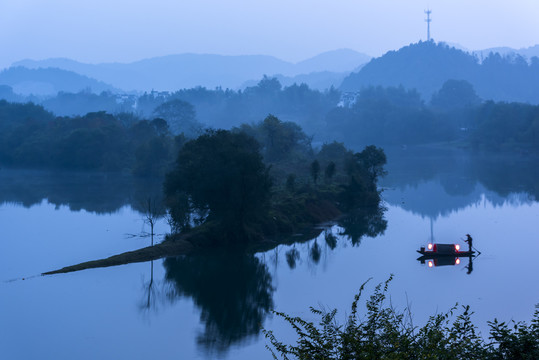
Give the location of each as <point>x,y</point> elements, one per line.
<point>469,241</point>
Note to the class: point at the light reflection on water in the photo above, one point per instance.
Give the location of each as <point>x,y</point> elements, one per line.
<point>191,309</point>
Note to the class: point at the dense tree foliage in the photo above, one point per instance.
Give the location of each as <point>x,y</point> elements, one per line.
<point>372,160</point>
<point>33,137</point>
<point>329,171</point>
<point>221,177</point>
<point>363,170</point>
<point>506,125</point>
<point>279,140</point>
<point>315,170</point>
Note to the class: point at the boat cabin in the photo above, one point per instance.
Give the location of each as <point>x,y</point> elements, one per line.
<point>441,249</point>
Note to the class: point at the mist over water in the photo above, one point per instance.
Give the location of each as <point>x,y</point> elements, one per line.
<point>211,305</point>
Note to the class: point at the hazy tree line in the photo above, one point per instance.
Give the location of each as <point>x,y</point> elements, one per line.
<point>145,144</point>
<point>33,137</point>
<point>397,116</point>
<point>506,125</point>
<point>414,104</point>
<point>217,108</point>
<point>220,108</point>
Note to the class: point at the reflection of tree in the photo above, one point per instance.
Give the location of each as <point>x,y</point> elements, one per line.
<point>331,240</point>
<point>292,257</point>
<point>458,184</point>
<point>440,181</point>
<point>508,174</point>
<point>355,225</point>
<point>90,191</point>
<point>417,165</point>
<point>315,252</point>
<point>150,292</point>
<point>233,290</point>
<point>363,222</point>
<point>152,211</point>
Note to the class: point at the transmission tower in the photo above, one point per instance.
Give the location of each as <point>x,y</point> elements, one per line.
<point>428,20</point>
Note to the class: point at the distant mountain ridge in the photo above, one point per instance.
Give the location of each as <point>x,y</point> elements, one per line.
<point>337,61</point>
<point>425,66</point>
<point>321,81</point>
<point>174,72</point>
<point>48,81</point>
<point>528,52</point>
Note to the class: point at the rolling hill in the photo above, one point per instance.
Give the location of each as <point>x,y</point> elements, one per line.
<point>175,72</point>
<point>49,81</point>
<point>425,66</point>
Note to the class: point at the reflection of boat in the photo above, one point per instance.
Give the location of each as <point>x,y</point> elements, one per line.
<point>440,261</point>
<point>445,254</point>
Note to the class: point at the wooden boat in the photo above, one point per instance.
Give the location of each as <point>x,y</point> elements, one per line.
<point>431,255</point>
<point>443,250</point>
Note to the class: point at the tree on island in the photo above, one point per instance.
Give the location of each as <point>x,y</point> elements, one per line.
<point>315,170</point>
<point>372,159</point>
<point>278,140</point>
<point>330,171</point>
<point>220,177</point>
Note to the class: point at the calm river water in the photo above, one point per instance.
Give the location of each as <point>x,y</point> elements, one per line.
<point>213,306</point>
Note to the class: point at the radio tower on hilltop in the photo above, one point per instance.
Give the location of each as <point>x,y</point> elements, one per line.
<point>428,20</point>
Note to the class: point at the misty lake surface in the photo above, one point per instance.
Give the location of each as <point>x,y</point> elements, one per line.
<point>213,305</point>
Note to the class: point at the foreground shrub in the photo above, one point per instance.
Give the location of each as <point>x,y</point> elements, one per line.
<point>385,333</point>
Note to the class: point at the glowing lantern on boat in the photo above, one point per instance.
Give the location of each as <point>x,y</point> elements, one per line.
<point>457,247</point>
<point>429,246</point>
<point>431,264</point>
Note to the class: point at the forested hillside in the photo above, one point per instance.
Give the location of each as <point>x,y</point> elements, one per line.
<point>425,66</point>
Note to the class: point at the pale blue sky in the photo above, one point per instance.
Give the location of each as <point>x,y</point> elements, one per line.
<point>120,30</point>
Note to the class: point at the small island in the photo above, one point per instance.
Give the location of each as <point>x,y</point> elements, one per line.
<point>256,186</point>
